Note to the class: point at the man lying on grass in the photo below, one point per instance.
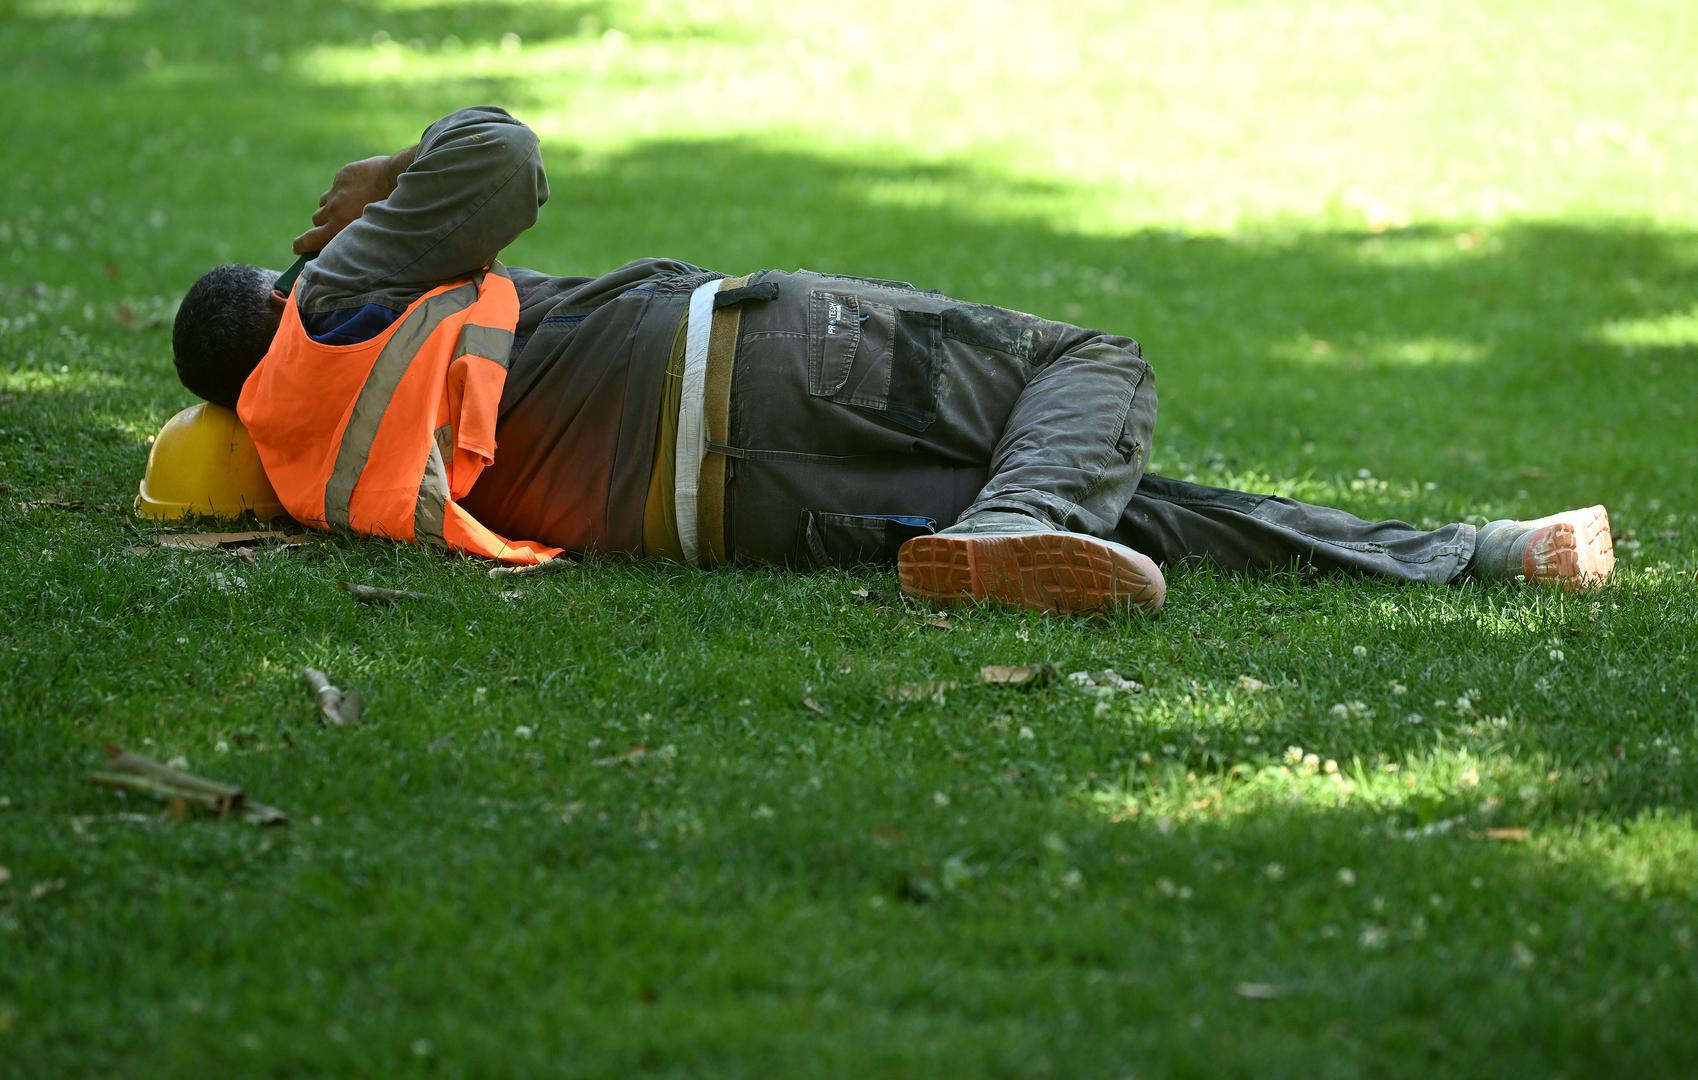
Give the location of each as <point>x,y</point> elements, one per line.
<point>668,411</point>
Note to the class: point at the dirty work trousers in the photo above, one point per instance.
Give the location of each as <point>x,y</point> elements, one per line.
<point>864,413</point>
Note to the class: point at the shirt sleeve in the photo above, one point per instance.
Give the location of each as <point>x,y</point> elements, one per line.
<point>476,184</point>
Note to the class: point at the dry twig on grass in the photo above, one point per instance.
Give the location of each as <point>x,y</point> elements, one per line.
<point>208,540</point>
<point>374,594</point>
<point>549,567</point>
<point>336,708</point>
<point>180,790</point>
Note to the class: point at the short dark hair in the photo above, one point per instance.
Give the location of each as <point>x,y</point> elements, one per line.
<point>224,327</point>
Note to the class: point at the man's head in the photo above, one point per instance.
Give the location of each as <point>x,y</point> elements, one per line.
<point>224,326</point>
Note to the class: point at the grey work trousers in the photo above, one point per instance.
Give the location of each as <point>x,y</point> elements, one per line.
<point>864,413</point>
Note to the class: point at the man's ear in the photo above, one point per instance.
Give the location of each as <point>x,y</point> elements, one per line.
<point>279,300</point>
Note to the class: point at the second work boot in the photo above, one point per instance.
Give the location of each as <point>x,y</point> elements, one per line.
<point>1022,561</point>
<point>1573,549</point>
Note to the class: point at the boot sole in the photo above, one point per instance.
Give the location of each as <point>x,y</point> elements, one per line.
<point>1053,571</point>
<point>1572,550</point>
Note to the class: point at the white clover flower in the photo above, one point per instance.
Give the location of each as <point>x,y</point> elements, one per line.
<point>1398,689</point>
<point>1311,762</point>
<point>1293,754</point>
<point>763,812</point>
<point>523,731</point>
<point>1274,872</point>
<point>1372,937</point>
<point>1346,877</point>
<point>1330,767</point>
<point>1359,651</point>
<point>1556,656</point>
<point>940,798</point>
<point>1340,711</point>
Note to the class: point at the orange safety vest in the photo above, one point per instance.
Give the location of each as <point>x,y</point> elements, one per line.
<point>383,436</point>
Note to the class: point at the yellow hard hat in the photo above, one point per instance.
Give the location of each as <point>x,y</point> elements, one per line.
<point>203,462</point>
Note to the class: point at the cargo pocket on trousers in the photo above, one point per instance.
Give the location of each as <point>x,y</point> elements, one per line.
<point>875,356</point>
<point>854,539</point>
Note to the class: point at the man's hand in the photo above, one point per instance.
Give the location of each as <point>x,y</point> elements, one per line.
<point>357,184</point>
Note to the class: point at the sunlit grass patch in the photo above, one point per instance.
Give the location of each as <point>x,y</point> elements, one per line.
<point>1673,330</point>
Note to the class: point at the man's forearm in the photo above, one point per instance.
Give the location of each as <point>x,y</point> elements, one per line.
<point>399,162</point>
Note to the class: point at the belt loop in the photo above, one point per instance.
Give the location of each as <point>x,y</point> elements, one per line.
<point>762,291</point>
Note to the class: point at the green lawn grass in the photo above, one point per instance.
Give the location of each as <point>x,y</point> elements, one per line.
<point>1437,261</point>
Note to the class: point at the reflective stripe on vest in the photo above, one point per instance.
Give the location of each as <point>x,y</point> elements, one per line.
<point>379,391</point>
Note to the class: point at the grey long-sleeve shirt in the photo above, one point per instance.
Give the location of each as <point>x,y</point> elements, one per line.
<point>575,435</point>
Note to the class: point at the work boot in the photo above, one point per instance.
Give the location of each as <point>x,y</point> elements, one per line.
<point>1019,560</point>
<point>1572,549</point>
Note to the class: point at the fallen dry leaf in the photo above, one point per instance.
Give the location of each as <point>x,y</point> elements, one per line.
<point>209,540</point>
<point>5,875</point>
<point>68,504</point>
<point>940,622</point>
<point>1024,675</point>
<point>1256,991</point>
<point>633,756</point>
<point>46,888</point>
<point>375,594</point>
<point>1107,679</point>
<point>553,565</point>
<point>933,691</point>
<point>814,706</point>
<point>1512,835</point>
<point>1252,685</point>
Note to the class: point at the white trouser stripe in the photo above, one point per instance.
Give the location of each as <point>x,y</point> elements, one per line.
<point>692,432</point>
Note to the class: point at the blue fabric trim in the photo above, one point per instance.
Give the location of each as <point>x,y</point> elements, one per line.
<point>349,326</point>
<point>910,521</point>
